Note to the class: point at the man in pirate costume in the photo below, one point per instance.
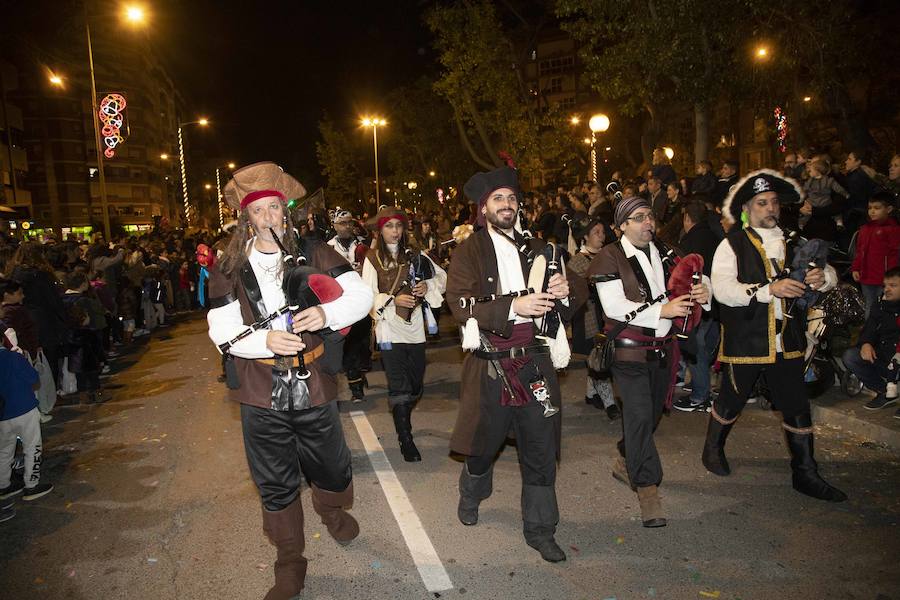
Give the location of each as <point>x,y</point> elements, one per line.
<point>633,272</point>
<point>291,427</point>
<point>357,347</point>
<point>400,315</point>
<point>505,380</point>
<point>757,335</point>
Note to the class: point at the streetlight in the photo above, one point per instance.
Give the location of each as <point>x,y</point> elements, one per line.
<point>574,120</point>
<point>56,80</point>
<point>164,156</point>
<point>668,152</point>
<point>598,123</point>
<point>103,199</point>
<point>375,123</point>
<point>203,122</point>
<point>762,53</point>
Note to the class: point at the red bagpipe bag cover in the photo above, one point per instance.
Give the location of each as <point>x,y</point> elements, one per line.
<point>680,283</point>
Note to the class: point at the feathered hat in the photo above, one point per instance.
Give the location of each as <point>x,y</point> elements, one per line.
<point>758,182</point>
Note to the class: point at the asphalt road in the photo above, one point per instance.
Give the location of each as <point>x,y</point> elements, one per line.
<point>153,500</point>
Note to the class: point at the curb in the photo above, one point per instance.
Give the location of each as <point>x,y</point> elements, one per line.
<point>879,434</point>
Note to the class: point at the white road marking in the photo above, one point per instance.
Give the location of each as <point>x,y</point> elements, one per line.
<point>426,559</point>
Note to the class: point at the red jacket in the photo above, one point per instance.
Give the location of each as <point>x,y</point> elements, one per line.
<point>877,250</point>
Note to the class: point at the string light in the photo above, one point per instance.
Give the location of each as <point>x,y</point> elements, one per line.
<point>112,115</point>
<point>781,129</point>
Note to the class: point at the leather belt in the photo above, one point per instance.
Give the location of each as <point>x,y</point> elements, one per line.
<point>290,362</point>
<point>513,352</point>
<point>638,345</point>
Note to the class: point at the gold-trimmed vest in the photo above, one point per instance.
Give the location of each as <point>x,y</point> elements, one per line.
<point>748,332</point>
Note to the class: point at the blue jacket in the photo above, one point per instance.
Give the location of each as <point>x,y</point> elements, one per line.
<point>17,378</point>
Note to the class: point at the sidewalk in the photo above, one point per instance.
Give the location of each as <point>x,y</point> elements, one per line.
<point>836,409</point>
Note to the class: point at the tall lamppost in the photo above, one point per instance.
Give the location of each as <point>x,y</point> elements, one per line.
<point>203,122</point>
<point>375,123</point>
<point>135,15</point>
<point>598,123</point>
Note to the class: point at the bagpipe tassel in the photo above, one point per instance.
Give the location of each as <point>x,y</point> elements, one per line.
<point>560,353</point>
<point>471,338</point>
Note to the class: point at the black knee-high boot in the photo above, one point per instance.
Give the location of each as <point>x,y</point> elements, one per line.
<point>714,448</point>
<point>806,478</point>
<point>401,412</point>
<point>472,490</point>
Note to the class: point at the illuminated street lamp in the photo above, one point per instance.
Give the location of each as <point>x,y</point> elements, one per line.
<point>164,156</point>
<point>431,173</point>
<point>807,98</point>
<point>134,13</point>
<point>574,120</point>
<point>375,123</point>
<point>56,80</point>
<point>668,152</point>
<point>231,165</point>
<point>598,124</point>
<point>203,122</point>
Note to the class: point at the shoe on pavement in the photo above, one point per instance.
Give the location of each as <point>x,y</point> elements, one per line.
<point>613,412</point>
<point>38,491</point>
<point>878,402</point>
<point>688,404</point>
<point>14,488</point>
<point>549,549</point>
<point>7,512</point>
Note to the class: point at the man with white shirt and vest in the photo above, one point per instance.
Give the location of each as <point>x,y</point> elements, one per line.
<point>631,276</point>
<point>292,429</point>
<point>510,373</point>
<point>757,336</point>
<point>358,345</point>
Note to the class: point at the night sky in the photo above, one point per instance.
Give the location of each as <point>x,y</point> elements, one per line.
<point>266,72</point>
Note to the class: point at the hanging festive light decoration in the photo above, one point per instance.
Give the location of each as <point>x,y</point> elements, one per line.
<point>781,129</point>
<point>112,115</point>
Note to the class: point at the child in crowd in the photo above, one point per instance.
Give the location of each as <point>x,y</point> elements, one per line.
<point>877,248</point>
<point>19,419</point>
<point>871,359</point>
<point>154,298</point>
<point>819,187</point>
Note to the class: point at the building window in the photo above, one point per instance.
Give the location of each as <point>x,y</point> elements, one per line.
<point>555,66</point>
<point>567,103</point>
<point>555,85</point>
<point>138,212</point>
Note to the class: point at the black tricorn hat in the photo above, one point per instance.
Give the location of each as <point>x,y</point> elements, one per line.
<point>757,182</point>
<point>480,185</point>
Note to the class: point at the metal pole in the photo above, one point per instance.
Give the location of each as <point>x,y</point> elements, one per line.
<point>377,191</point>
<point>103,200</point>
<point>9,144</point>
<point>184,186</point>
<point>219,199</point>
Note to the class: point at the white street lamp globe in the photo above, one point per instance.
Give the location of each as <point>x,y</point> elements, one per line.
<point>598,123</point>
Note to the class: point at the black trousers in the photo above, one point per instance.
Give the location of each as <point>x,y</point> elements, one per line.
<point>643,387</point>
<point>357,349</point>
<point>785,384</point>
<point>282,447</point>
<point>535,440</point>
<point>404,367</point>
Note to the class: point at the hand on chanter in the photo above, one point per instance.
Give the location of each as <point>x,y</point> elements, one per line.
<point>284,343</point>
<point>815,278</point>
<point>420,289</point>
<point>310,319</point>
<point>680,306</point>
<point>700,293</point>
<point>533,305</point>
<point>787,288</point>
<point>558,286</point>
<point>405,301</point>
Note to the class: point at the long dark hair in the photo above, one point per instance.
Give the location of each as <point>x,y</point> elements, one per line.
<point>406,242</point>
<point>236,251</point>
<point>31,255</point>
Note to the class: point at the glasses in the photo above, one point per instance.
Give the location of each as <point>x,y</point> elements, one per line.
<point>642,217</point>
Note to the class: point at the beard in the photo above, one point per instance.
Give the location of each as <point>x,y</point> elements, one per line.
<point>501,222</point>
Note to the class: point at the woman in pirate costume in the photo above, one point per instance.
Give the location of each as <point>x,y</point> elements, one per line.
<point>292,430</point>
<point>759,335</point>
<point>590,234</point>
<point>405,282</point>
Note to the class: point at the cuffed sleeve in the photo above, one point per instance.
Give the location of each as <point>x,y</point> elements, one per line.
<point>226,323</point>
<point>355,302</point>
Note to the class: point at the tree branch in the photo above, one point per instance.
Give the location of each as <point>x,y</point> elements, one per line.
<point>464,138</point>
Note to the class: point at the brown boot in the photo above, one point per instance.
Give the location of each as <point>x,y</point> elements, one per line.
<point>651,507</point>
<point>284,528</point>
<point>331,507</point>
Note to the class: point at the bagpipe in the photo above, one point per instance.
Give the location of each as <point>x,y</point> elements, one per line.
<point>684,275</point>
<point>304,287</point>
<point>809,254</point>
<point>419,268</point>
<point>545,263</point>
